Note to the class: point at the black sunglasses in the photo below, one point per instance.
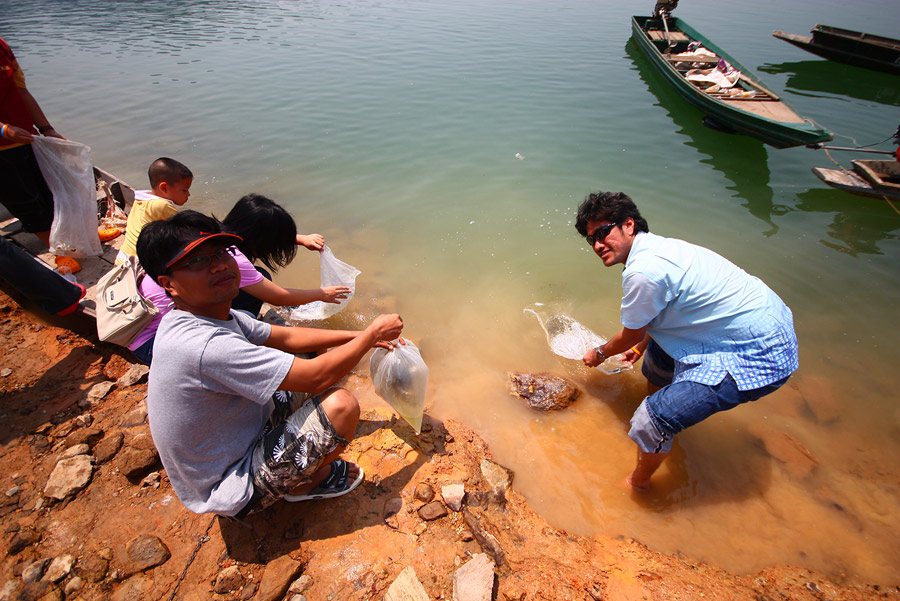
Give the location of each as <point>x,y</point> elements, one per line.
<point>600,233</point>
<point>201,262</point>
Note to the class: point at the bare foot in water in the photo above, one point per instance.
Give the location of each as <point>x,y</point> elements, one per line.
<point>638,485</point>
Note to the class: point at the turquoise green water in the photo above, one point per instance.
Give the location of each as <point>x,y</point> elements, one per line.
<point>393,128</point>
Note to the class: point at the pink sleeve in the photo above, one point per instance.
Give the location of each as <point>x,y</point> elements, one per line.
<point>157,295</point>
<point>249,274</point>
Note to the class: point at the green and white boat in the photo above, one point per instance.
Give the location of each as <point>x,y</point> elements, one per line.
<point>745,106</point>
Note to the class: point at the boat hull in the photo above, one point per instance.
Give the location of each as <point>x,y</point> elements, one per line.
<point>781,127</point>
<point>854,183</point>
<point>846,50</point>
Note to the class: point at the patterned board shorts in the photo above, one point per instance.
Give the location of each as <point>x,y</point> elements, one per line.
<point>290,449</point>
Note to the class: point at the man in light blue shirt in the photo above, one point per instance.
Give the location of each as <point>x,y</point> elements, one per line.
<point>712,336</point>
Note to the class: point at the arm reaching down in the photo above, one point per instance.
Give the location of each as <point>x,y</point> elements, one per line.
<point>318,374</point>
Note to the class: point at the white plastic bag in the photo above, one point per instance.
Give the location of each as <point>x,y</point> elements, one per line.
<point>333,272</point>
<point>571,340</point>
<point>69,174</point>
<point>401,377</point>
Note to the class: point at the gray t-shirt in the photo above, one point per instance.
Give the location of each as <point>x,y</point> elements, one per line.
<point>209,398</point>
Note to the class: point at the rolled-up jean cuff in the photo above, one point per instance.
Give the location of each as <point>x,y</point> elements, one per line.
<point>646,434</point>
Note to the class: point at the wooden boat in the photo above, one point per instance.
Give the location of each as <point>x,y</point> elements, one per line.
<point>846,46</point>
<point>751,108</point>
<point>109,189</point>
<point>875,179</point>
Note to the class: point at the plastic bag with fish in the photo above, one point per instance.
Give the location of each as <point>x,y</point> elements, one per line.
<point>400,377</point>
<point>571,340</point>
<point>333,272</point>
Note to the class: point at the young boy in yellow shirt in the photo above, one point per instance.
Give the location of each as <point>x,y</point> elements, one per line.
<point>171,187</point>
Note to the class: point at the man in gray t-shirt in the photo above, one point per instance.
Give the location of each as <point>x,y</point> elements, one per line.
<point>220,408</point>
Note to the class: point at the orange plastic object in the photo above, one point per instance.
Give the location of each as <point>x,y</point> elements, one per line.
<point>108,234</point>
<point>73,265</point>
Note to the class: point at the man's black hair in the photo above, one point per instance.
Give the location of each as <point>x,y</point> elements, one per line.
<point>159,241</point>
<point>269,231</point>
<point>614,207</point>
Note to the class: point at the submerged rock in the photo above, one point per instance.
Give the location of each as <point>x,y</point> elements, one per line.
<point>543,392</point>
<point>796,459</point>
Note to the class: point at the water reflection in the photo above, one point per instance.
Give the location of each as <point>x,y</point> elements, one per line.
<point>742,159</point>
<point>835,78</point>
<point>859,224</point>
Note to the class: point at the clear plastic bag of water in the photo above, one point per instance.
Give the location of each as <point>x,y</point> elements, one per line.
<point>333,272</point>
<point>400,377</point>
<point>69,173</point>
<point>571,340</point>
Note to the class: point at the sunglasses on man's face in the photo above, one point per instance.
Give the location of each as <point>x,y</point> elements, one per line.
<point>201,262</point>
<point>600,233</point>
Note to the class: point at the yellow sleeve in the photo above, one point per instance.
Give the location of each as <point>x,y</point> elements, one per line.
<point>158,209</point>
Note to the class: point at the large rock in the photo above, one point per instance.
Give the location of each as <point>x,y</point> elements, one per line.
<point>406,587</point>
<point>543,392</point>
<point>424,492</point>
<point>497,477</point>
<point>146,551</point>
<point>107,448</point>
<point>229,579</point>
<point>23,538</point>
<point>279,575</point>
<point>98,391</point>
<point>84,436</point>
<point>34,571</point>
<point>475,580</point>
<point>432,511</point>
<point>135,374</point>
<point>59,568</point>
<point>136,417</point>
<point>68,477</point>
<point>453,495</point>
<point>40,591</point>
<point>92,568</point>
<point>134,464</point>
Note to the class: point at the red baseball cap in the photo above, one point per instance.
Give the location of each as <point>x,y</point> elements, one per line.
<point>203,237</point>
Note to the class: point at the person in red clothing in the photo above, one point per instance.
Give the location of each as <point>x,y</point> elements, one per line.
<point>24,192</point>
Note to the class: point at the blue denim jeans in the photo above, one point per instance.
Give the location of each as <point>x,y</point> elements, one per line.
<point>682,404</point>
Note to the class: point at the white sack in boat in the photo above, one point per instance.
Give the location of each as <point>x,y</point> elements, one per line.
<point>714,76</point>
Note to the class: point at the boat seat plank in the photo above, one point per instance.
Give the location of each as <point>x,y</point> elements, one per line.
<point>760,98</point>
<point>674,36</point>
<point>680,58</point>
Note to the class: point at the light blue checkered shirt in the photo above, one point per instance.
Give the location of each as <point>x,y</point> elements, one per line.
<point>708,314</point>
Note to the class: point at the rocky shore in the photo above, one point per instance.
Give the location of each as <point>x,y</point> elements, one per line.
<point>88,512</point>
